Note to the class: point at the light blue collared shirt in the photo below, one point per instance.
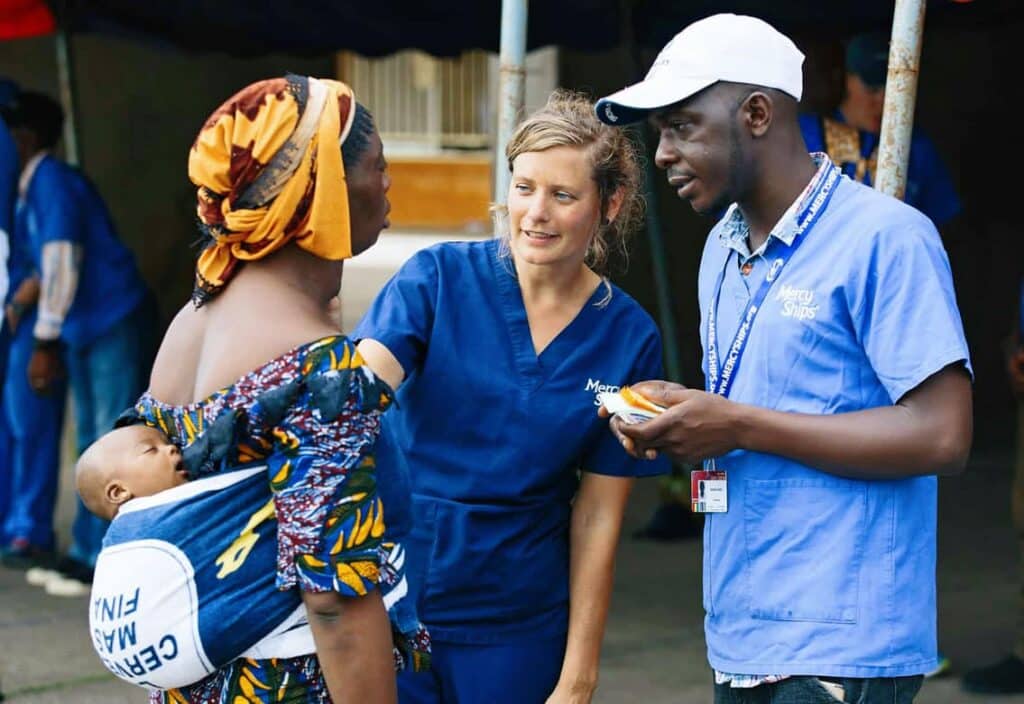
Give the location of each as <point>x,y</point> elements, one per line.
<point>809,573</point>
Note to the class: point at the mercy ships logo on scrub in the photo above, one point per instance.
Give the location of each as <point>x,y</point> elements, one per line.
<point>595,387</point>
<point>797,303</point>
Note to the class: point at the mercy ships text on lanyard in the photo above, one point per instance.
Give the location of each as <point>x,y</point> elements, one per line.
<point>708,487</point>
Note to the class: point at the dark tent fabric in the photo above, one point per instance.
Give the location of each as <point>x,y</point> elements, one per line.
<point>657,21</point>
<point>448,27</point>
<point>369,27</point>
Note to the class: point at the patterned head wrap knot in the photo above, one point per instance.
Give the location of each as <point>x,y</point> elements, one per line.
<point>268,168</point>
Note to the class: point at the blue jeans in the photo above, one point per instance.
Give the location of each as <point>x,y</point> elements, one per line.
<point>35,423</point>
<point>810,690</point>
<point>106,377</point>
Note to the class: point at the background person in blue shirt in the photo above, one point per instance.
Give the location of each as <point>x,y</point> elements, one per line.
<point>89,316</point>
<point>8,194</point>
<point>518,487</point>
<point>850,134</point>
<point>851,391</point>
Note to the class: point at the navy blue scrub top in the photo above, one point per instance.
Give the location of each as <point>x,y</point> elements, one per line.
<point>494,434</point>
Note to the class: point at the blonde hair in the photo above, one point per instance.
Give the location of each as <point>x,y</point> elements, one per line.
<point>568,119</point>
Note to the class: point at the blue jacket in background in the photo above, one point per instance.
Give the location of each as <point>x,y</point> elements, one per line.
<point>8,193</point>
<point>929,186</point>
<point>61,204</point>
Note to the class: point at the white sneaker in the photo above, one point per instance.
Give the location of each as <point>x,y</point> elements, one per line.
<point>40,576</point>
<point>62,585</point>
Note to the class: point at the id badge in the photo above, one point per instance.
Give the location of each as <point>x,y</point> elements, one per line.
<point>709,490</point>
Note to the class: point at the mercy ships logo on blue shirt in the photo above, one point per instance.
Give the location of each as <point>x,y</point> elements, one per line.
<point>797,303</point>
<point>594,386</point>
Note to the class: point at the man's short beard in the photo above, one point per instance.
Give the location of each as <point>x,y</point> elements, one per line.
<point>733,179</point>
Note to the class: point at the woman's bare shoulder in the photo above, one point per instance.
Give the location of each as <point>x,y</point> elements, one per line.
<point>174,369</point>
<point>207,349</point>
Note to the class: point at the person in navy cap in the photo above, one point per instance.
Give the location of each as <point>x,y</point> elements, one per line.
<point>850,134</point>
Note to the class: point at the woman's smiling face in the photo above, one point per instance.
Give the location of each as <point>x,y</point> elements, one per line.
<point>553,205</point>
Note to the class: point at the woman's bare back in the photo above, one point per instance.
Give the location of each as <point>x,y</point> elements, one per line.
<point>240,330</point>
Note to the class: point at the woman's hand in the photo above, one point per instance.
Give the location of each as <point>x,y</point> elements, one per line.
<point>572,693</point>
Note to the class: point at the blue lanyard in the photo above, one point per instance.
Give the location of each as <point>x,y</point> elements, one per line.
<point>720,381</point>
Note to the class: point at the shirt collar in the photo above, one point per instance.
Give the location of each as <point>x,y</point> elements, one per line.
<point>29,171</point>
<point>735,230</point>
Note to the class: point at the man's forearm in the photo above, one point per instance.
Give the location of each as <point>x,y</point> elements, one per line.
<point>27,293</point>
<point>931,434</point>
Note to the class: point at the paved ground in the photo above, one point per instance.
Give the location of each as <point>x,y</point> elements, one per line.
<point>654,649</point>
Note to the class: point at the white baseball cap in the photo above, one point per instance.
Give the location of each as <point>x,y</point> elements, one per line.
<point>723,47</point>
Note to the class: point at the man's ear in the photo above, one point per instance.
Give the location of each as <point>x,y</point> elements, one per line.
<point>116,492</point>
<point>758,111</point>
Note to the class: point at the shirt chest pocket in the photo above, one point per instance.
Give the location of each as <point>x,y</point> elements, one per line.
<point>804,541</point>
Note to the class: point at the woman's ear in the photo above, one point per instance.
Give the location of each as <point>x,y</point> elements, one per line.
<point>614,205</point>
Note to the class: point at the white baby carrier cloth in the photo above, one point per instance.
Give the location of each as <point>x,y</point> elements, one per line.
<point>185,584</point>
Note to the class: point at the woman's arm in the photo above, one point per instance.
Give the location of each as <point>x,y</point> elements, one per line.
<point>353,644</point>
<point>395,332</point>
<point>382,362</point>
<point>594,535</point>
<point>331,518</point>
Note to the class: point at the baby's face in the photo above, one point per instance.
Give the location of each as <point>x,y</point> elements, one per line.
<point>146,462</point>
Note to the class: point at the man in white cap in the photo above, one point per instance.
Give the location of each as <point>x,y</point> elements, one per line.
<point>838,380</point>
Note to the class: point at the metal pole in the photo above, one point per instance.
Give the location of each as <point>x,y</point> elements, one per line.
<point>512,86</point>
<point>65,80</point>
<point>900,93</point>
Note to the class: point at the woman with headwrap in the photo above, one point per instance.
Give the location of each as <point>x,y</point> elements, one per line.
<point>291,181</point>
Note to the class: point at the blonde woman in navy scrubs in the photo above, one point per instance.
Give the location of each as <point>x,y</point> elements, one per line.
<point>497,349</point>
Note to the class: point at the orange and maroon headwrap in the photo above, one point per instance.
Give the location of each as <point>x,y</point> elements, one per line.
<point>268,168</point>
